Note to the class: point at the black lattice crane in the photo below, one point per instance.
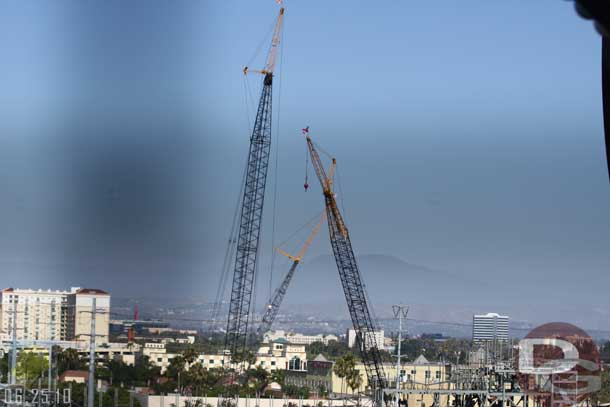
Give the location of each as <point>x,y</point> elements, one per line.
<point>252,207</point>
<point>275,301</point>
<point>351,280</point>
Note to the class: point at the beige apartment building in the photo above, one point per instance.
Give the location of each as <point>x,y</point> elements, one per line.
<point>53,314</point>
<point>419,374</point>
<point>279,355</point>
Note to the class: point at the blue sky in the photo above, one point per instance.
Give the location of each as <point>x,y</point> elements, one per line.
<point>469,138</point>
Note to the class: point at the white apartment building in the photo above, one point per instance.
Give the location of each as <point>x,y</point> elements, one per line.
<point>54,315</point>
<point>490,327</point>
<point>375,337</point>
<point>297,338</point>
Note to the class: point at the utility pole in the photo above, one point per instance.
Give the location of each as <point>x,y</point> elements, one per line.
<point>91,388</point>
<point>400,312</point>
<point>14,345</point>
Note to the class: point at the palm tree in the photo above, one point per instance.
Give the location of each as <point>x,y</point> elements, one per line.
<point>343,367</point>
<point>196,376</point>
<point>175,369</point>
<point>354,379</point>
<point>190,355</point>
<point>68,359</point>
<point>260,377</point>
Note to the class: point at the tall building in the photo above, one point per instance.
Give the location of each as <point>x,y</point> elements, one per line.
<point>54,315</point>
<point>489,327</point>
<point>377,336</point>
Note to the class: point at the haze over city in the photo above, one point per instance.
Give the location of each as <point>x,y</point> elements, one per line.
<point>469,141</point>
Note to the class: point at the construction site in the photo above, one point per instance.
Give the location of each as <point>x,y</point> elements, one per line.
<point>494,383</point>
<point>239,348</point>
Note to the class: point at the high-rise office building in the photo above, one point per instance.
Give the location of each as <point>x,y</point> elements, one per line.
<point>375,337</point>
<point>489,327</point>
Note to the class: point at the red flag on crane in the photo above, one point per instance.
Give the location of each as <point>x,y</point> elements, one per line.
<point>305,130</point>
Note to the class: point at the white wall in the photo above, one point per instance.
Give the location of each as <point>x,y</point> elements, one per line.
<point>173,400</point>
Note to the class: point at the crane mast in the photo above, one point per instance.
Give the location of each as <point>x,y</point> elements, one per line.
<point>278,295</point>
<point>349,274</point>
<point>252,208</point>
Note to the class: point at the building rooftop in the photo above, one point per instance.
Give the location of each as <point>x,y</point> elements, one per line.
<point>320,358</point>
<point>73,290</point>
<point>421,360</point>
<point>91,291</point>
<point>491,315</point>
<point>74,373</point>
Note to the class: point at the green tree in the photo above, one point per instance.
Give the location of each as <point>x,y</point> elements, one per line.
<point>278,376</point>
<point>258,378</point>
<point>333,351</point>
<point>354,379</point>
<point>4,368</point>
<point>30,366</point>
<point>295,391</point>
<point>68,359</point>
<point>175,371</point>
<point>195,377</point>
<point>246,356</point>
<point>344,367</point>
<point>190,355</point>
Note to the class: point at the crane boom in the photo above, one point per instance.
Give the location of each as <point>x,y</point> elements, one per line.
<point>279,293</point>
<point>251,213</point>
<point>275,43</point>
<point>351,280</point>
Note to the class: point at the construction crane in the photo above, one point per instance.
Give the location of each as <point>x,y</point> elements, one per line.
<point>353,288</point>
<point>275,301</point>
<point>252,207</point>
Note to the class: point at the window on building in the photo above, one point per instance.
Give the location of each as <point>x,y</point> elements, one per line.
<point>294,363</point>
<point>211,361</point>
<point>427,374</point>
<point>437,374</point>
<point>273,363</point>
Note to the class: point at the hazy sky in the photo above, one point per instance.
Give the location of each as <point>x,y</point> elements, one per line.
<point>468,134</point>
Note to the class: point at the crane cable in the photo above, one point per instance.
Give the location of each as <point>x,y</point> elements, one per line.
<point>264,39</point>
<point>231,245</point>
<point>275,171</point>
<point>300,229</point>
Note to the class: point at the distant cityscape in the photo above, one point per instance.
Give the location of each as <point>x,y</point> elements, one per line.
<point>49,323</point>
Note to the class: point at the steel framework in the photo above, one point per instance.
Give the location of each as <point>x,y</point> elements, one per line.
<point>250,224</point>
<point>350,278</point>
<point>276,299</point>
